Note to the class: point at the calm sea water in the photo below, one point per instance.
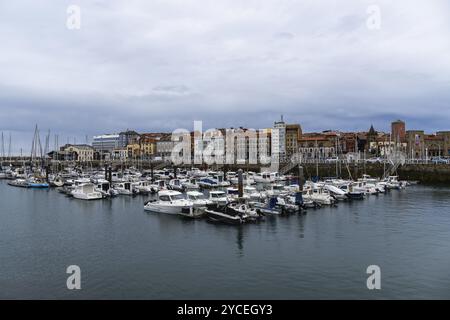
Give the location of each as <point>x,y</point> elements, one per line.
<point>126,253</point>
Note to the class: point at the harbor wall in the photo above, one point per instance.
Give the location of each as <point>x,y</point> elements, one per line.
<point>424,173</point>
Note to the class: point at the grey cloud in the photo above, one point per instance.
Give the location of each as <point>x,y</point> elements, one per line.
<point>160,65</point>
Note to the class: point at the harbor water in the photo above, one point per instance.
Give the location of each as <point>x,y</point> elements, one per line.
<point>127,253</point>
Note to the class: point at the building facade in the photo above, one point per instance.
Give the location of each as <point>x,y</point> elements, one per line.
<point>398,132</point>
<point>80,153</point>
<point>164,146</point>
<point>279,138</point>
<point>120,154</point>
<point>293,136</point>
<point>106,142</point>
<point>128,137</point>
<point>446,142</point>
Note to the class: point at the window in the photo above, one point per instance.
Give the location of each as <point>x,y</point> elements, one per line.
<point>164,198</point>
<point>177,197</point>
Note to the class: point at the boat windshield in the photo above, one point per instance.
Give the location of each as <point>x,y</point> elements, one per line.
<point>177,197</point>
<point>217,195</point>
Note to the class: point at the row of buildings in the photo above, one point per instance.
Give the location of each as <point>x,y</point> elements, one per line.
<point>282,139</point>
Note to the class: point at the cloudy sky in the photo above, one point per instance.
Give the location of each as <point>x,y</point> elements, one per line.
<point>160,64</point>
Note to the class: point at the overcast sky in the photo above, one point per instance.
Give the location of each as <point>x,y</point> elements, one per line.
<point>160,64</point>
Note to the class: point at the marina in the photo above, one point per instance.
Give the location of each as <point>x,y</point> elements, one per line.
<point>320,254</point>
<point>228,197</point>
<point>217,158</point>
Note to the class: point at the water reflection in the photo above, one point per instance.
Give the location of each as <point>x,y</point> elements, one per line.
<point>282,257</point>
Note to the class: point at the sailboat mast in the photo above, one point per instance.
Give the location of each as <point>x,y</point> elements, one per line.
<point>3,149</point>
<point>9,149</point>
<point>317,161</point>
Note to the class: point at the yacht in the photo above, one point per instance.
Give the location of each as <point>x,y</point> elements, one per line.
<point>232,193</point>
<point>37,183</point>
<point>198,199</point>
<point>56,181</point>
<point>126,188</point>
<point>318,195</point>
<point>251,193</point>
<point>22,183</point>
<point>218,197</point>
<point>86,191</point>
<point>336,192</point>
<point>190,184</point>
<point>213,181</point>
<point>145,187</point>
<point>171,202</point>
<point>268,177</point>
<point>263,177</point>
<point>276,205</point>
<point>352,194</point>
<point>275,190</point>
<point>175,184</point>
<point>225,213</point>
<point>159,185</point>
<point>104,187</point>
<point>246,179</point>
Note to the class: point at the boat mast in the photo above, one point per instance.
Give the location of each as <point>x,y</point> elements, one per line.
<point>3,150</point>
<point>9,149</point>
<point>36,147</point>
<point>337,157</point>
<point>317,161</point>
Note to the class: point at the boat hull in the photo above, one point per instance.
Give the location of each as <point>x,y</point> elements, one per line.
<point>168,209</point>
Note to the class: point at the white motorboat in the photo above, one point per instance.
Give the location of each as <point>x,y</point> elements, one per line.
<point>56,181</point>
<point>197,173</point>
<point>199,201</point>
<point>246,179</point>
<point>213,181</point>
<point>171,202</point>
<point>190,184</point>
<point>276,190</point>
<point>86,191</point>
<point>263,177</point>
<point>126,188</point>
<point>318,195</point>
<point>392,182</point>
<point>22,183</point>
<point>146,187</point>
<point>337,193</point>
<point>160,185</point>
<point>268,177</point>
<point>233,194</point>
<point>253,194</point>
<point>367,188</point>
<point>218,197</point>
<point>104,187</point>
<point>175,184</point>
